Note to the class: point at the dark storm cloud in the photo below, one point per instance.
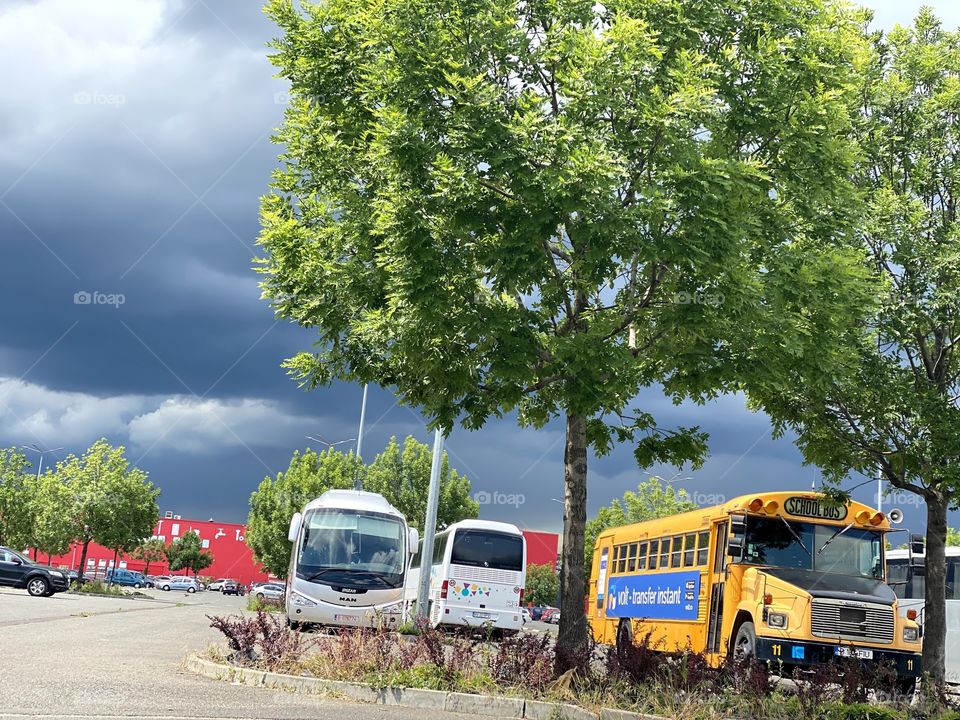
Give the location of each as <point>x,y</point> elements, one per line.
<point>132,159</point>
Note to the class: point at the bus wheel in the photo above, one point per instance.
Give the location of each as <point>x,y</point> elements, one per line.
<point>906,687</point>
<point>294,625</point>
<point>745,646</point>
<point>624,638</point>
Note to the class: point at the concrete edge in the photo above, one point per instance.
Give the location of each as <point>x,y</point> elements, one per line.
<point>467,703</point>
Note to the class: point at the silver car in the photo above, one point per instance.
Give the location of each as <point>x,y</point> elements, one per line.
<point>269,590</point>
<point>180,583</point>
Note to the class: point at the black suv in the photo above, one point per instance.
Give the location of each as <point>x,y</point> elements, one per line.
<point>16,571</point>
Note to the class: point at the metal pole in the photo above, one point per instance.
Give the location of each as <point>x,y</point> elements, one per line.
<point>40,466</point>
<point>879,490</point>
<point>357,484</point>
<point>430,526</point>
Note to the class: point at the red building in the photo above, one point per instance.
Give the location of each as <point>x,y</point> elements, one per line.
<point>542,547</point>
<point>232,557</point>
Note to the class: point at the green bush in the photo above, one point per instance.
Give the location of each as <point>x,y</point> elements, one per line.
<point>862,711</point>
<point>255,604</point>
<point>97,587</point>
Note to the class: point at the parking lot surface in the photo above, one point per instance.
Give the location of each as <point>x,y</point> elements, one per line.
<point>77,656</point>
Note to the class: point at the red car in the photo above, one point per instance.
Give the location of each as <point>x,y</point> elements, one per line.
<point>545,617</point>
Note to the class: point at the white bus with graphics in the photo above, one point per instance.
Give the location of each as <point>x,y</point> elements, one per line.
<point>906,574</point>
<point>348,566</point>
<point>477,576</point>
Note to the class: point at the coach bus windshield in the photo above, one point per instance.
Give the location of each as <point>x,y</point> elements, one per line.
<point>839,549</point>
<point>352,548</point>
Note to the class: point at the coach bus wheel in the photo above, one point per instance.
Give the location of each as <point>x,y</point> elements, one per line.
<point>624,637</point>
<point>745,646</point>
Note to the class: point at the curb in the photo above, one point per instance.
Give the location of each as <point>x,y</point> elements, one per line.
<point>466,703</point>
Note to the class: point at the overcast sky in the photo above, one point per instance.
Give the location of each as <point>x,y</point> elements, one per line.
<point>134,145</point>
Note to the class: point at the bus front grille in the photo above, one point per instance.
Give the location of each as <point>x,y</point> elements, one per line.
<point>863,621</point>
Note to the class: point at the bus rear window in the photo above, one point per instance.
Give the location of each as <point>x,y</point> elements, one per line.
<point>482,548</point>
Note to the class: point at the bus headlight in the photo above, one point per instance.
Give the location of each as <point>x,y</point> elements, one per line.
<point>298,599</point>
<point>911,634</point>
<point>394,608</point>
<point>777,620</point>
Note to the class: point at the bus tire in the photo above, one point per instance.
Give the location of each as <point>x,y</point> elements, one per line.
<point>906,687</point>
<point>745,644</point>
<point>624,637</point>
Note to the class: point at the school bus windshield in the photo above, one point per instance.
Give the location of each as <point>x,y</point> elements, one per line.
<point>839,549</point>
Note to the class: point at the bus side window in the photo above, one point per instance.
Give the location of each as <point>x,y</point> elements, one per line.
<point>689,551</point>
<point>654,549</point>
<point>703,542</point>
<point>622,560</point>
<point>675,551</point>
<point>632,558</point>
<point>614,567</point>
<point>665,553</point>
<point>642,557</point>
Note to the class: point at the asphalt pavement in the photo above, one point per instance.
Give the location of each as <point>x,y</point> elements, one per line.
<point>76,656</point>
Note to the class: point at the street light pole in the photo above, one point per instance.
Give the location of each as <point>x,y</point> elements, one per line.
<point>430,526</point>
<point>42,452</point>
<point>357,484</point>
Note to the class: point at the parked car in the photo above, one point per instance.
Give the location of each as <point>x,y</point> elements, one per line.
<point>554,618</point>
<point>229,587</point>
<point>526,615</point>
<point>180,582</point>
<point>536,612</point>
<point>18,571</point>
<point>217,585</point>
<point>546,613</point>
<point>120,576</point>
<point>74,577</point>
<point>269,590</point>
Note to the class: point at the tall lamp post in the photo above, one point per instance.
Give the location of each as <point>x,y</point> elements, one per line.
<point>318,439</point>
<point>42,452</point>
<point>357,484</point>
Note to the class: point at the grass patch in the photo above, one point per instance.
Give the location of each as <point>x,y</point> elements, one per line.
<point>273,605</point>
<point>96,587</point>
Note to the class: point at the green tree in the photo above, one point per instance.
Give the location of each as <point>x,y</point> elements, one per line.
<point>187,553</point>
<point>131,507</point>
<point>276,500</point>
<point>652,499</point>
<point>403,478</point>
<point>149,551</point>
<point>953,537</point>
<point>543,585</point>
<point>108,501</point>
<point>49,509</point>
<point>15,506</point>
<point>545,207</point>
<point>895,404</point>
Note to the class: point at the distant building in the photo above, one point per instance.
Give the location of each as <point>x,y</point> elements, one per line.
<point>543,548</point>
<point>232,557</point>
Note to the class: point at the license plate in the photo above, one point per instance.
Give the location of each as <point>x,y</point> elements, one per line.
<point>346,618</point>
<point>482,615</point>
<point>860,653</point>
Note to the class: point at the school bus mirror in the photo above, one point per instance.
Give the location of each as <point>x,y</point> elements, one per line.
<point>735,547</point>
<point>916,544</point>
<point>738,526</point>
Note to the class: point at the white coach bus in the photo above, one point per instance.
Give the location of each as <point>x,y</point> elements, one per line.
<point>348,566</point>
<point>906,575</point>
<point>477,576</point>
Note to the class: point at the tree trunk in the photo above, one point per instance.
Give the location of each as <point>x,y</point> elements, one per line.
<point>83,560</point>
<point>935,606</point>
<point>572,647</point>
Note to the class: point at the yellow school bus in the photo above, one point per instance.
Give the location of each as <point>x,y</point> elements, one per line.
<point>787,577</point>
